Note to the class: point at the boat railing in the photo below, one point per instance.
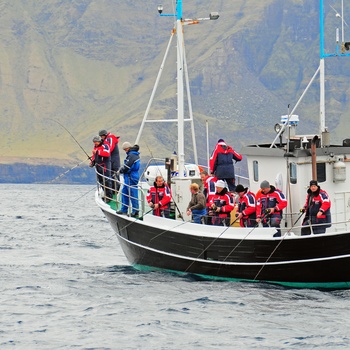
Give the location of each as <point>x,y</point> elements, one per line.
<point>110,191</point>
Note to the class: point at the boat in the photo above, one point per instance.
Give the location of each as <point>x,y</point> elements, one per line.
<point>246,254</point>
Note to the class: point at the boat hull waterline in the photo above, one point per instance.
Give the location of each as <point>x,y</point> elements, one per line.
<point>309,261</point>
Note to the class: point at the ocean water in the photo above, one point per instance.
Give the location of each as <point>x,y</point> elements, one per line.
<point>65,284</point>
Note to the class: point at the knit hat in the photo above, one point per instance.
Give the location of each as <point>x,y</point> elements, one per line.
<point>313,182</point>
<point>97,139</point>
<point>240,188</point>
<point>265,184</point>
<point>126,145</point>
<point>220,183</point>
<point>103,132</point>
<point>221,140</point>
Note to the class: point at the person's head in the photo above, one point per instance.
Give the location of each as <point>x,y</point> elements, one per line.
<point>97,140</point>
<point>265,187</point>
<point>126,146</point>
<point>103,134</point>
<point>220,185</point>
<point>204,175</point>
<point>159,181</point>
<point>194,187</point>
<point>314,185</point>
<point>241,190</point>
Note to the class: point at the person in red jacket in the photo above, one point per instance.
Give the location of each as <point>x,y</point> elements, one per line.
<point>317,209</point>
<point>100,159</point>
<point>208,185</point>
<point>269,206</point>
<point>159,198</point>
<point>221,205</point>
<point>246,207</point>
<point>221,163</point>
<point>112,142</point>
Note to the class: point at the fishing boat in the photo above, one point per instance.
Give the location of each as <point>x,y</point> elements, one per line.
<point>251,254</point>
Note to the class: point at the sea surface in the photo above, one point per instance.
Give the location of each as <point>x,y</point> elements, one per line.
<point>65,284</point>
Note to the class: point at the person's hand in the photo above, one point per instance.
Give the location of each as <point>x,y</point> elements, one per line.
<point>189,212</point>
<point>319,214</point>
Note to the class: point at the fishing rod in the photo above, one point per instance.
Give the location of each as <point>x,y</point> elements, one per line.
<point>180,215</point>
<point>67,171</point>
<point>284,236</point>
<point>215,239</point>
<point>89,157</point>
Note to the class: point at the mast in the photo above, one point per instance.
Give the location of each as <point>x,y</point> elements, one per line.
<point>181,73</point>
<point>180,88</point>
<point>345,46</point>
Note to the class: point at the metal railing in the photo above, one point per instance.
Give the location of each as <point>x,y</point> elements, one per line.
<point>112,190</point>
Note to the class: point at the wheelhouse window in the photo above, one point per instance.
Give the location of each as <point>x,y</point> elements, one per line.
<point>256,170</point>
<point>321,172</point>
<point>293,173</point>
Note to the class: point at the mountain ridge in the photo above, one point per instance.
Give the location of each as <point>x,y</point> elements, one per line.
<point>91,65</point>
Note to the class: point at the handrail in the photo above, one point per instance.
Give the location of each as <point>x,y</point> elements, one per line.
<point>116,188</point>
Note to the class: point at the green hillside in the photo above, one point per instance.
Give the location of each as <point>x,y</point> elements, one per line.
<point>91,64</point>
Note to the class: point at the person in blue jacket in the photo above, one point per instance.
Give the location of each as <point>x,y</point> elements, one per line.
<point>130,171</point>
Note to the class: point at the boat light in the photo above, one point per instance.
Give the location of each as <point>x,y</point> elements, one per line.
<point>277,128</point>
<point>215,15</point>
<point>160,9</point>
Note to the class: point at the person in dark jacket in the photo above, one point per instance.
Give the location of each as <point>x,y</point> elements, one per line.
<point>112,141</point>
<point>270,205</point>
<point>159,198</point>
<point>317,210</point>
<point>130,171</point>
<point>221,163</point>
<point>101,160</point>
<point>197,205</point>
<point>246,212</point>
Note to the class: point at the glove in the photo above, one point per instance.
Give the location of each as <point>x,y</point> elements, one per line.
<point>302,210</point>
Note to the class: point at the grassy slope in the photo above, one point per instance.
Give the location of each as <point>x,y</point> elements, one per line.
<point>92,64</point>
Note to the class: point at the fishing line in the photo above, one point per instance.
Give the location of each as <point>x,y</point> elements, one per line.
<point>210,244</point>
<point>94,188</point>
<point>67,171</point>
<point>284,236</point>
<point>126,226</point>
<point>89,157</point>
<point>256,225</point>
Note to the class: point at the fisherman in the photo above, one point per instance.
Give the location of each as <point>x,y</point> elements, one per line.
<point>221,163</point>
<point>130,171</point>
<point>112,141</point>
<point>246,207</point>
<point>159,197</point>
<point>197,205</point>
<point>317,209</point>
<point>221,205</point>
<point>269,206</point>
<point>101,160</point>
